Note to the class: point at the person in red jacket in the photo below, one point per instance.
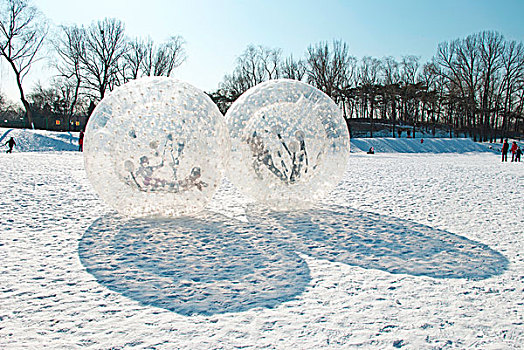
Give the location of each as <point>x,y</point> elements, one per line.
<point>505,147</point>
<point>81,141</point>
<point>513,150</point>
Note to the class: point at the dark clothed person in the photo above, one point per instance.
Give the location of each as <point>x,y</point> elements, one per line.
<point>505,148</point>
<point>11,143</point>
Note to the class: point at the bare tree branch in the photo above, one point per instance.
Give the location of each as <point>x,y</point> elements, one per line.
<point>22,34</point>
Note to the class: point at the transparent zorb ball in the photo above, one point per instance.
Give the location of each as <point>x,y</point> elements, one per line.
<point>156,146</point>
<point>289,144</point>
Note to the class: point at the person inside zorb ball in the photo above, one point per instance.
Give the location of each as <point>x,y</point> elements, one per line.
<point>289,144</point>
<point>156,147</point>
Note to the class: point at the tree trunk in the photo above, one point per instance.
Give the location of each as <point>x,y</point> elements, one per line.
<point>371,116</point>
<point>26,105</point>
<point>394,114</point>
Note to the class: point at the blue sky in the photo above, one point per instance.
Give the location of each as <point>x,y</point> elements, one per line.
<point>217,32</point>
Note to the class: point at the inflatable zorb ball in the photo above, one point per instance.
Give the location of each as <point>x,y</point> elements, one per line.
<point>156,147</point>
<point>289,144</point>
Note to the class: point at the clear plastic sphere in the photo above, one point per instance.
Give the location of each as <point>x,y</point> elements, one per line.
<point>289,144</point>
<point>156,147</point>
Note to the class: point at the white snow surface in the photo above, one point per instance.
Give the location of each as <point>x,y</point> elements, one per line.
<point>414,251</point>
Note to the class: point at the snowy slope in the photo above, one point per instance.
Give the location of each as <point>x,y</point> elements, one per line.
<point>44,141</point>
<point>431,145</point>
<point>28,140</point>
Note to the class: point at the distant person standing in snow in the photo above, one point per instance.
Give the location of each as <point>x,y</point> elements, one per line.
<point>81,141</point>
<point>11,143</point>
<point>518,153</point>
<point>513,149</point>
<point>505,148</point>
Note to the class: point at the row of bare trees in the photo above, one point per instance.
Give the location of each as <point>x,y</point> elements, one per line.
<point>94,60</point>
<point>473,85</point>
<point>90,61</point>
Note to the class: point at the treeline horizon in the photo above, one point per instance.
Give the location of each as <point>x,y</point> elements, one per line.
<point>472,85</point>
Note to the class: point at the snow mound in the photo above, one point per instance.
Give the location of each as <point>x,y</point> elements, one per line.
<point>28,140</point>
<point>433,145</point>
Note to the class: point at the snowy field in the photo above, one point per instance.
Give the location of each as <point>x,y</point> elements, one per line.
<point>414,251</point>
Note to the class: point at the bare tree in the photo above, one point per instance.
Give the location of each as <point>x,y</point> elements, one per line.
<point>166,57</point>
<point>291,69</point>
<point>9,113</point>
<point>468,65</point>
<point>459,64</point>
<point>409,67</point>
<point>491,49</point>
<point>369,71</point>
<point>433,84</point>
<point>445,62</point>
<point>270,60</point>
<point>330,67</point>
<point>391,79</point>
<point>138,52</point>
<point>248,66</point>
<point>234,85</point>
<point>256,65</point>
<point>22,33</point>
<point>369,76</point>
<point>144,58</point>
<point>390,69</point>
<point>104,46</point>
<point>43,98</point>
<point>512,82</point>
<point>70,48</point>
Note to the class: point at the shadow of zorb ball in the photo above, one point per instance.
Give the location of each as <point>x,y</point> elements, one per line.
<point>289,144</point>
<point>156,147</point>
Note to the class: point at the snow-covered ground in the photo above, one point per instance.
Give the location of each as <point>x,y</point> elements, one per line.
<point>415,251</point>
